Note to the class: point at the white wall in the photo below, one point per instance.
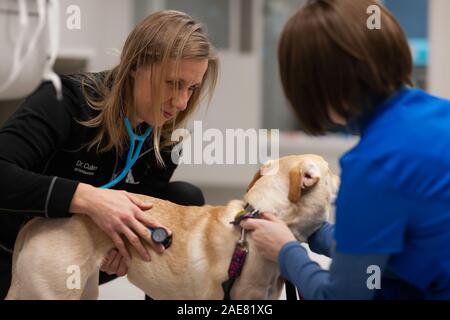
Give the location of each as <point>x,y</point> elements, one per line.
<point>105,25</point>
<point>236,104</point>
<point>439,70</point>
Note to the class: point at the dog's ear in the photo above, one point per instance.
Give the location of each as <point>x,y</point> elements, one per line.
<point>255,178</point>
<point>268,168</point>
<point>304,175</point>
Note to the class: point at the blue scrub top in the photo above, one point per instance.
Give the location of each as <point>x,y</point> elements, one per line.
<point>394,196</point>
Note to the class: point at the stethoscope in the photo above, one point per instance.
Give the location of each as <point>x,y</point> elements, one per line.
<point>133,155</point>
<point>159,235</point>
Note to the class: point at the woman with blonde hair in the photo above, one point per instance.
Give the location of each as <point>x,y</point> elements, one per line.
<point>110,136</point>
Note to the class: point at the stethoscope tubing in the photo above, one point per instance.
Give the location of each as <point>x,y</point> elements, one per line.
<point>133,154</point>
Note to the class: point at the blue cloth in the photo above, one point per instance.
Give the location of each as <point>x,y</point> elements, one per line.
<point>393,205</point>
<point>347,278</point>
<point>322,241</point>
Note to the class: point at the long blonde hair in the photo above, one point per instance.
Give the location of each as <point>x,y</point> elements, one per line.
<point>159,39</point>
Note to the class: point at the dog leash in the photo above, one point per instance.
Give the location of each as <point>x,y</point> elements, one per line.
<point>247,213</point>
<point>236,265</point>
<point>240,251</point>
<point>291,291</point>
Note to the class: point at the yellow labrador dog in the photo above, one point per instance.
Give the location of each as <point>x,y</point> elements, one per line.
<point>299,189</point>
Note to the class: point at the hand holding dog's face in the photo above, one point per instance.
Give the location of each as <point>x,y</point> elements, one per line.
<point>299,190</point>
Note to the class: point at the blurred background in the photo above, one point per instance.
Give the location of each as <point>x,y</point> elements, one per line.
<point>249,94</point>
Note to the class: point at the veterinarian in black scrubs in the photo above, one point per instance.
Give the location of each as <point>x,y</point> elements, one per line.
<point>55,155</point>
<point>392,232</point>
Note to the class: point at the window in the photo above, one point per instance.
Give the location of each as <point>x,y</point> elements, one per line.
<point>412,15</point>
<point>215,15</point>
<point>276,112</point>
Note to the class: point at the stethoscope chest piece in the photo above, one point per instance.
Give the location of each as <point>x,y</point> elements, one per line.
<point>160,236</point>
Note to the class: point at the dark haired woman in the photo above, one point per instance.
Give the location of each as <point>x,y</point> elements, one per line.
<point>392,232</point>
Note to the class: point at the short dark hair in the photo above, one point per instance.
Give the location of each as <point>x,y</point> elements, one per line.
<point>330,59</point>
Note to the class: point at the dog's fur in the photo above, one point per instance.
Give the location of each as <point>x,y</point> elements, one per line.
<point>299,192</point>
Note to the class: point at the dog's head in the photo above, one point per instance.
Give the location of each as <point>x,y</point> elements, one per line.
<point>298,189</point>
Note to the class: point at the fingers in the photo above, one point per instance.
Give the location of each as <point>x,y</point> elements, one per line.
<point>123,268</point>
<point>150,222</point>
<point>253,224</point>
<point>270,216</point>
<point>114,263</point>
<point>249,224</point>
<point>120,245</point>
<point>136,243</point>
<point>138,227</point>
<point>106,264</point>
<point>145,233</point>
<point>143,205</point>
<point>143,221</point>
<point>118,266</point>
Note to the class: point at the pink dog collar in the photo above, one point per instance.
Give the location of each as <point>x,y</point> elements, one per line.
<point>247,213</point>
<point>240,251</point>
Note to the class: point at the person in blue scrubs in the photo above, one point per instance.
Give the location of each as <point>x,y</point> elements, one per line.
<point>392,232</point>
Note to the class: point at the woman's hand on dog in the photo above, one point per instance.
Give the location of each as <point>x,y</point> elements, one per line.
<point>270,234</point>
<point>118,214</point>
<point>114,263</point>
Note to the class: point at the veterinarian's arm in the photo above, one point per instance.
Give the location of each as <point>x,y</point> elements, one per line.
<point>348,277</point>
<point>117,213</point>
<point>322,241</point>
<point>39,126</point>
<point>29,138</point>
<point>369,219</point>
